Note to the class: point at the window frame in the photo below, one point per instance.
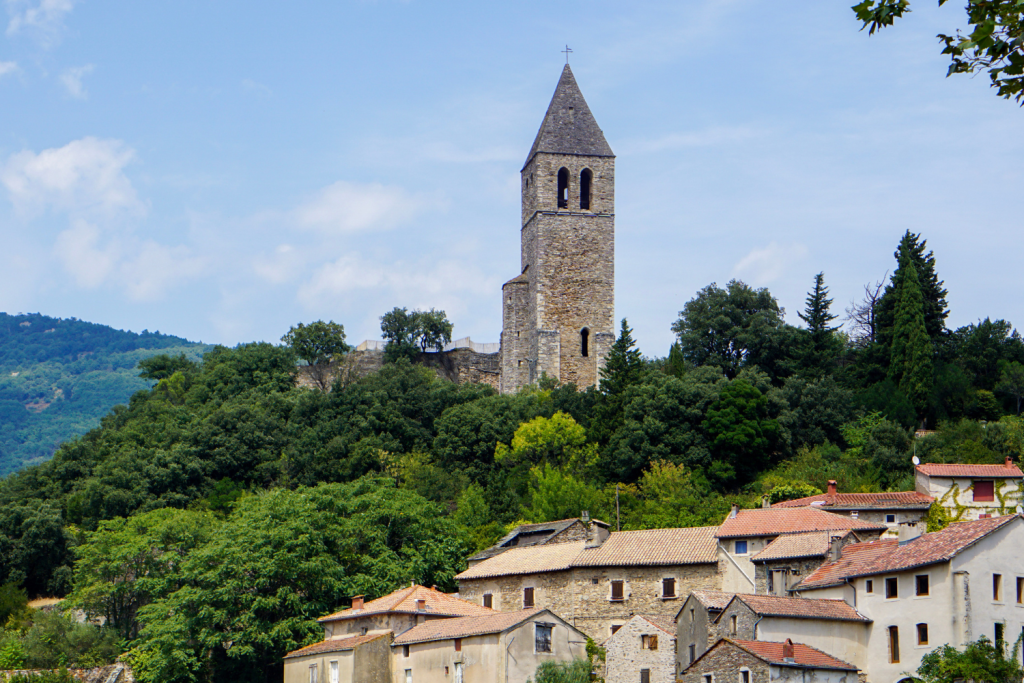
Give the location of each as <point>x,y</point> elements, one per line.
<point>894,582</point>
<point>621,584</point>
<point>645,676</point>
<point>997,587</point>
<point>736,547</point>
<point>890,519</point>
<point>922,628</point>
<point>1020,590</point>
<point>869,586</point>
<point>894,644</point>
<point>537,628</point>
<point>744,675</point>
<point>529,597</point>
<point>984,498</point>
<point>488,600</point>
<point>314,676</point>
<point>917,586</point>
<point>672,581</point>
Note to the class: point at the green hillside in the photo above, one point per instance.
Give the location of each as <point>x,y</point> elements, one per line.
<point>58,377</point>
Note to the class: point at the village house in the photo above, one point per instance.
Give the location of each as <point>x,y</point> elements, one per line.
<point>500,647</point>
<point>525,535</point>
<point>889,508</point>
<point>921,591</point>
<point>754,661</point>
<point>788,558</point>
<point>745,533</point>
<point>643,650</point>
<point>696,630</point>
<point>357,641</point>
<point>597,585</point>
<point>969,492</point>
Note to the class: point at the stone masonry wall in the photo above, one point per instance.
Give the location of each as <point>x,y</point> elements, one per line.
<point>797,569</point>
<point>458,365</point>
<point>582,596</point>
<point>745,622</point>
<point>724,664</point>
<point>625,656</point>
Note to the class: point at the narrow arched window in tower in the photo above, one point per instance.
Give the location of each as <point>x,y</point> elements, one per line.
<point>584,342</point>
<point>585,177</point>
<point>563,188</point>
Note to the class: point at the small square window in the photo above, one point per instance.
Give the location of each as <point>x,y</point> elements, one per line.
<point>921,584</point>
<point>922,634</point>
<point>890,519</point>
<point>741,548</point>
<point>488,600</point>
<point>594,581</point>
<point>984,491</point>
<point>891,589</point>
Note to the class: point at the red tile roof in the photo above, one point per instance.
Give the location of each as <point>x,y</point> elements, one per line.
<point>653,547</point>
<point>971,471</point>
<point>860,501</point>
<point>790,546</point>
<point>694,545</point>
<point>464,627</point>
<point>880,557</point>
<point>803,655</point>
<point>404,601</point>
<point>777,521</point>
<point>666,624</point>
<point>335,645</point>
<point>800,608</point>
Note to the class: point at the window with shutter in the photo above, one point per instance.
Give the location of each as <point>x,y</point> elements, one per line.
<point>617,590</point>
<point>645,676</point>
<point>668,588</point>
<point>527,597</point>
<point>654,642</point>
<point>984,491</point>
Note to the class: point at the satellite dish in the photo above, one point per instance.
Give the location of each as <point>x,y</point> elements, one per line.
<point>1020,509</point>
<point>916,460</point>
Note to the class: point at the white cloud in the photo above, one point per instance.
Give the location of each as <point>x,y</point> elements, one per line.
<point>350,207</point>
<point>8,68</point>
<point>157,267</point>
<point>72,80</point>
<point>78,249</point>
<point>281,266</point>
<point>43,17</point>
<point>85,175</point>
<point>763,266</point>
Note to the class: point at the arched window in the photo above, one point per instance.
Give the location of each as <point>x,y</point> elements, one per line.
<point>563,188</point>
<point>585,177</point>
<point>584,342</point>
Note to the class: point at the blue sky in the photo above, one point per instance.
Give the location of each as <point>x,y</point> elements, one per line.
<point>224,170</point>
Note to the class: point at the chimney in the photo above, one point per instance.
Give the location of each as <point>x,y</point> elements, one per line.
<point>421,605</point>
<point>833,487</point>
<point>357,602</point>
<point>787,652</point>
<point>908,532</point>
<point>765,502</point>
<point>735,511</point>
<point>835,548</point>
<point>1009,462</point>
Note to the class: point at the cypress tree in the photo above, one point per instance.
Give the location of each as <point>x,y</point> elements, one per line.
<point>623,365</point>
<point>933,293</point>
<point>910,364</point>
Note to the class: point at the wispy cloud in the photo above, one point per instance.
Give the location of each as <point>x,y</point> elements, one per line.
<point>764,265</point>
<point>78,249</point>
<point>8,68</point>
<point>256,87</point>
<point>44,18</point>
<point>72,80</point>
<point>349,207</point>
<point>85,176</point>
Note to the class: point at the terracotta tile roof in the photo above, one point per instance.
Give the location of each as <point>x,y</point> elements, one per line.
<point>666,624</point>
<point>335,645</point>
<point>880,557</point>
<point>530,560</point>
<point>404,601</point>
<point>621,549</point>
<point>790,546</point>
<point>971,471</point>
<point>695,545</point>
<point>801,608</point>
<point>803,655</point>
<point>859,501</point>
<point>716,600</point>
<point>777,521</point>
<point>464,627</point>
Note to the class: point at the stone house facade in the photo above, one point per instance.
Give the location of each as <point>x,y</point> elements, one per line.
<point>950,586</point>
<point>787,559</point>
<point>644,648</point>
<point>745,661</point>
<point>696,624</point>
<point>502,647</point>
<point>969,492</point>
<point>597,586</point>
<point>558,313</point>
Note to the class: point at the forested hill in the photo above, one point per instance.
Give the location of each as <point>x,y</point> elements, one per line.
<point>58,377</point>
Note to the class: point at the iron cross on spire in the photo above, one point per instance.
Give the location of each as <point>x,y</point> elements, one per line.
<point>567,51</point>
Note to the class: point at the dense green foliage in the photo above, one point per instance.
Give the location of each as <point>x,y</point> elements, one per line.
<point>982,661</point>
<point>226,486</point>
<point>58,377</point>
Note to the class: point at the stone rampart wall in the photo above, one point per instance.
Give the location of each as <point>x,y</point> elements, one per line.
<point>458,365</point>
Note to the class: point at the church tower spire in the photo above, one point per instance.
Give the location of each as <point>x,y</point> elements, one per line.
<point>558,314</point>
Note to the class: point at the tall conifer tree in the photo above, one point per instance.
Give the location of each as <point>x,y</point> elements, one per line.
<point>933,294</point>
<point>818,316</point>
<point>910,365</point>
<point>623,365</point>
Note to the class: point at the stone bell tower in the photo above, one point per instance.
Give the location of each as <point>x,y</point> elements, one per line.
<point>558,314</point>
